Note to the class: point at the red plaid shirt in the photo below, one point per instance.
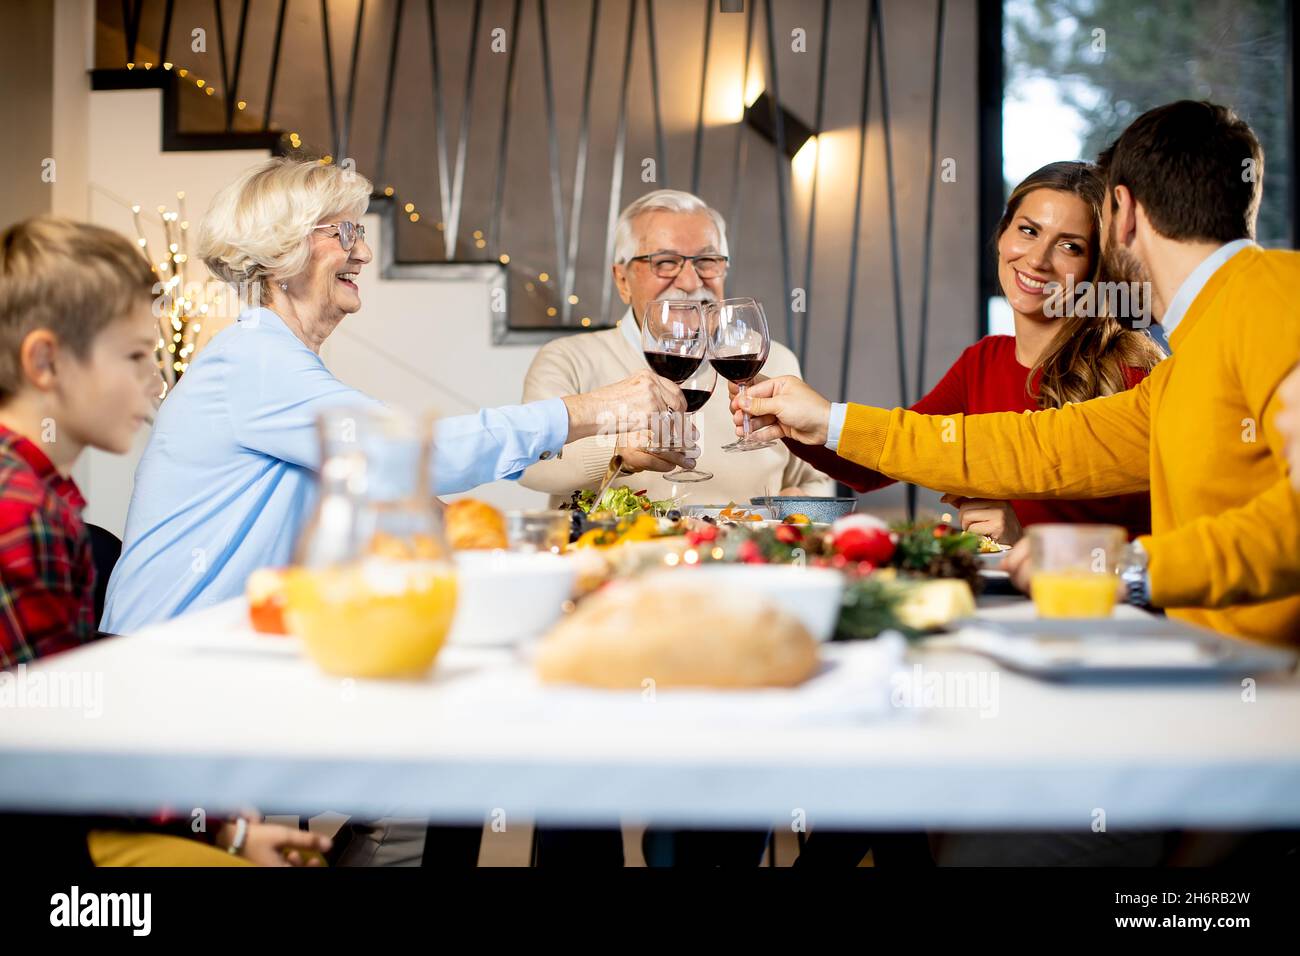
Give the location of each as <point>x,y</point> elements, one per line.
<point>47,571</point>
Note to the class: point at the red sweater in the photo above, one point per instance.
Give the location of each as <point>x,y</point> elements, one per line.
<point>987,378</point>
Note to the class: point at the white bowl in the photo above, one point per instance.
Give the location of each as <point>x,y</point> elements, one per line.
<point>813,595</point>
<point>505,597</point>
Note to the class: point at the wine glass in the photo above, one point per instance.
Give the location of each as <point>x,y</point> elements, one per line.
<point>697,389</point>
<point>673,340</point>
<point>738,345</point>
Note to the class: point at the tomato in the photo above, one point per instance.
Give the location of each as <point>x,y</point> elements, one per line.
<point>788,534</point>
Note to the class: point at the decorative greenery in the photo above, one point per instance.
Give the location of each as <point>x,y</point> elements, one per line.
<point>922,544</point>
<point>869,610</point>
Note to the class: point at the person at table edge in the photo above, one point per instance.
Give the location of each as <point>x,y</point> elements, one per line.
<point>1199,431</point>
<point>228,476</point>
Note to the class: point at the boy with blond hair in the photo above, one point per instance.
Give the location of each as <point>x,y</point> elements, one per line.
<point>78,369</point>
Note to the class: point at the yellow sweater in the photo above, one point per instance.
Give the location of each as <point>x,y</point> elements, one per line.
<point>1199,432</point>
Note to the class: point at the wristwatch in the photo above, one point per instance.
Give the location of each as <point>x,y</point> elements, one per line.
<point>1133,571</point>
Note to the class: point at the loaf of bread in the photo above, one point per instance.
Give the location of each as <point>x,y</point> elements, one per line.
<point>474,525</point>
<point>686,636</point>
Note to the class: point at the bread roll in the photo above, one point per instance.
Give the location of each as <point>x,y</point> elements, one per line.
<point>685,636</point>
<point>474,525</point>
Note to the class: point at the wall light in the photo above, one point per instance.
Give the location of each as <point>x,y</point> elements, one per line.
<point>797,132</point>
<point>805,161</point>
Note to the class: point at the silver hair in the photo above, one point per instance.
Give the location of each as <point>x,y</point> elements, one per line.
<point>667,200</point>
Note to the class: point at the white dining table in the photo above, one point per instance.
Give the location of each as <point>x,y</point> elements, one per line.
<point>203,713</point>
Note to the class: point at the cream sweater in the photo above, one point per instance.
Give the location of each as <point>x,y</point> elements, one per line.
<point>582,362</point>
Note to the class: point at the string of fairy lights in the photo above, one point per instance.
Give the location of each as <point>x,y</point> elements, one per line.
<point>184,307</point>
<point>180,307</point>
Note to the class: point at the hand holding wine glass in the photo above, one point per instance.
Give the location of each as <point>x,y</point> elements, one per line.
<point>784,407</point>
<point>739,341</point>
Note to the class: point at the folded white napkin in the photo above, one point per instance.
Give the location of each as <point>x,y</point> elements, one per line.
<point>854,684</point>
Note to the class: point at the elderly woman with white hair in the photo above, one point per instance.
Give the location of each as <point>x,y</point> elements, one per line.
<point>228,477</point>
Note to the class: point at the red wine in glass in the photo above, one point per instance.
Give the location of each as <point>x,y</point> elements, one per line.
<point>696,399</point>
<point>673,341</point>
<point>698,389</point>
<point>738,345</point>
<point>672,366</point>
<point>740,369</point>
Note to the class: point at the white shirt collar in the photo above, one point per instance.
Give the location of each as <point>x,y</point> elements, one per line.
<point>1194,283</point>
<point>631,331</point>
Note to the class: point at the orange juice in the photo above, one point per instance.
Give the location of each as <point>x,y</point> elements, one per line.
<point>1076,593</point>
<point>372,618</point>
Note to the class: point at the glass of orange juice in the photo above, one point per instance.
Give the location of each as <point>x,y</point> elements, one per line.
<point>373,590</point>
<point>1073,568</point>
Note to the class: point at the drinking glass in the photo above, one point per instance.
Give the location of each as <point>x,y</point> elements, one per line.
<point>1072,568</point>
<point>738,345</point>
<point>697,389</point>
<point>673,340</point>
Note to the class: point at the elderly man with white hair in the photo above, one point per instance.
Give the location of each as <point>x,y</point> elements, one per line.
<point>668,245</point>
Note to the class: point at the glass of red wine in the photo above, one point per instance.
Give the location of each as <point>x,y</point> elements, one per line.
<point>674,342</point>
<point>738,345</point>
<point>697,389</point>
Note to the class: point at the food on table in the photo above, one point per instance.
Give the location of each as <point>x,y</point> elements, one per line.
<point>641,528</point>
<point>1073,593</point>
<point>926,605</point>
<point>619,502</point>
<point>592,568</point>
<point>633,632</point>
<point>734,512</point>
<point>797,518</point>
<point>265,592</point>
<point>887,600</point>
<point>376,617</point>
<point>475,525</point>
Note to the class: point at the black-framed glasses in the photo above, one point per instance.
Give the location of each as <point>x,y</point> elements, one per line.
<point>348,232</point>
<point>666,265</point>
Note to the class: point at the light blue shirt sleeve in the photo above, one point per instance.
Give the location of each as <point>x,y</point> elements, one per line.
<point>276,395</point>
<point>834,427</point>
<point>495,443</point>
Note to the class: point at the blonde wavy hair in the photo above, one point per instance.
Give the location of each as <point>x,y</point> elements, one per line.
<point>256,229</point>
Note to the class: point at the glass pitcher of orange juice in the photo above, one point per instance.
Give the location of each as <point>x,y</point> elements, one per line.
<point>1072,568</point>
<point>373,591</point>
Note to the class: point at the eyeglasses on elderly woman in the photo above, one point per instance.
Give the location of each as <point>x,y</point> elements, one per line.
<point>348,233</point>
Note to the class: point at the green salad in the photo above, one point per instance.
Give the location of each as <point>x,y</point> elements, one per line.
<point>621,502</point>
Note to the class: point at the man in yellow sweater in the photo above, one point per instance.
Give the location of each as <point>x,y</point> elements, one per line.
<point>1183,184</point>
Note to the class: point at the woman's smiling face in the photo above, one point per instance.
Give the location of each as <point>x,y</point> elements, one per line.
<point>1051,239</point>
<point>332,271</point>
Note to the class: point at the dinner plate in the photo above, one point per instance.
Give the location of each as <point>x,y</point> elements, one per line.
<point>992,559</point>
<point>1119,649</point>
